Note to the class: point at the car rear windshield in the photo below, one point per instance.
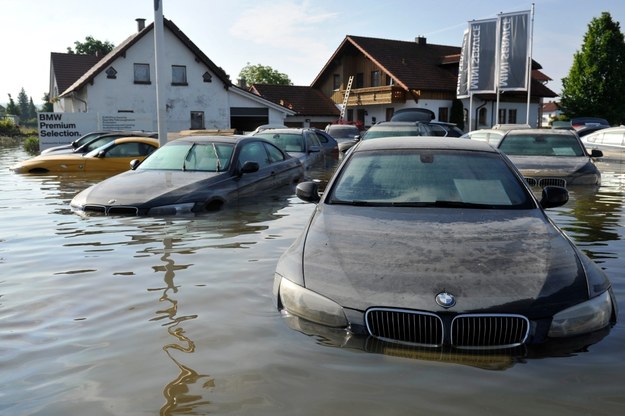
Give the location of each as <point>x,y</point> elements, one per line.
<point>343,132</point>
<point>541,145</point>
<point>288,142</point>
<point>206,157</point>
<point>394,131</point>
<point>440,178</point>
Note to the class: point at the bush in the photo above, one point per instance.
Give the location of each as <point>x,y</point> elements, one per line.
<point>31,145</point>
<point>8,128</point>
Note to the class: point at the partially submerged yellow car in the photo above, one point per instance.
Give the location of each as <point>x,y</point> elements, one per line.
<point>113,157</point>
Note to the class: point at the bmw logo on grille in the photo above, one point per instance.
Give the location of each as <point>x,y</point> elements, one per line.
<point>446,300</point>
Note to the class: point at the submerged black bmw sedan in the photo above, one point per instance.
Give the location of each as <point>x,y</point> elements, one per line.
<point>193,174</point>
<point>437,242</point>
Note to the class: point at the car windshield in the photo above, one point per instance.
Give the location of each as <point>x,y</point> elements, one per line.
<point>205,157</point>
<point>96,143</point>
<point>541,145</point>
<point>289,142</point>
<point>393,131</point>
<point>440,178</point>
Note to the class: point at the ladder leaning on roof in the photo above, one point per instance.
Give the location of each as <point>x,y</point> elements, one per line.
<point>347,91</point>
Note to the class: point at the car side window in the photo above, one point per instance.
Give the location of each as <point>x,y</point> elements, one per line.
<point>312,140</point>
<point>254,152</point>
<point>275,154</point>
<point>322,138</point>
<point>126,150</point>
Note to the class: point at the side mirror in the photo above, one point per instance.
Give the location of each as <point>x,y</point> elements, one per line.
<point>596,153</point>
<point>308,191</point>
<point>250,167</point>
<point>101,153</point>
<point>554,196</point>
<point>134,164</point>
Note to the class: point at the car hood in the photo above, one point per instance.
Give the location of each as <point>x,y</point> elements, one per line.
<point>491,261</point>
<point>141,187</point>
<point>549,165</point>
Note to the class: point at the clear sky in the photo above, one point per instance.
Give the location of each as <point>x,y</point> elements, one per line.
<point>295,37</point>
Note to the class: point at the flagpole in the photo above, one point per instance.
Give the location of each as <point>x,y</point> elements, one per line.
<point>158,66</point>
<point>529,67</point>
<point>497,63</point>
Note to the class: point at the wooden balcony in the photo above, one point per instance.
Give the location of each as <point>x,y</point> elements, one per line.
<point>388,94</point>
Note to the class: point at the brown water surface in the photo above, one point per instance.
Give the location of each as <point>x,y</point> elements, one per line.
<point>145,316</point>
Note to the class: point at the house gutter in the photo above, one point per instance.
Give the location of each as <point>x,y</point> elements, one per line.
<point>74,97</point>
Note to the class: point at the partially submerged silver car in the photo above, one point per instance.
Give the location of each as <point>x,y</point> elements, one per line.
<point>438,242</point>
<point>551,157</point>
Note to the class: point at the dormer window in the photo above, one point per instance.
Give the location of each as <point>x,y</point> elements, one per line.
<point>207,77</point>
<point>111,73</point>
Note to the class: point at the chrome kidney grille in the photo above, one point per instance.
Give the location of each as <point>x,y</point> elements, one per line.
<point>405,326</point>
<point>542,182</point>
<point>463,331</point>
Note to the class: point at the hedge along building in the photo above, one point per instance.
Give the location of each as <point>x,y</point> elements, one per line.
<point>198,93</point>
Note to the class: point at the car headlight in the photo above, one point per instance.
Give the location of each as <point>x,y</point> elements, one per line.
<point>582,318</point>
<point>173,209</point>
<point>310,305</point>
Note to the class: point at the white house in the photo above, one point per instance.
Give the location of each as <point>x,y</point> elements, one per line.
<point>198,93</point>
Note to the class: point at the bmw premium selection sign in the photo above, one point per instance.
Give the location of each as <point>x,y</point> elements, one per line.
<point>57,129</point>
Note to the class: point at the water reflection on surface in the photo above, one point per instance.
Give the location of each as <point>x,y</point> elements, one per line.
<point>135,316</point>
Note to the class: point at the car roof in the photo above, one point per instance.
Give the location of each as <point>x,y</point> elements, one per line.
<point>397,123</point>
<point>541,132</point>
<point>423,142</point>
<point>296,130</point>
<point>141,139</point>
<point>215,138</point>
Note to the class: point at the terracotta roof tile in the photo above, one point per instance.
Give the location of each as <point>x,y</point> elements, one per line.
<point>69,67</point>
<point>302,99</point>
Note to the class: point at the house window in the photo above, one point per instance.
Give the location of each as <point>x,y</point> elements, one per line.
<point>178,75</point>
<point>375,78</point>
<point>336,82</point>
<point>142,73</point>
<point>350,114</point>
<point>111,73</point>
<point>389,113</point>
<point>388,80</point>
<point>360,80</point>
<point>481,117</point>
<point>443,114</point>
<point>512,116</point>
<point>197,120</point>
<point>502,116</point>
<point>207,77</point>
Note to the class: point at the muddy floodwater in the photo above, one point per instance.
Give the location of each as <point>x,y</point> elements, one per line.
<point>149,316</point>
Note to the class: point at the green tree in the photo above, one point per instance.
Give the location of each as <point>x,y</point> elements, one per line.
<point>12,108</point>
<point>22,103</point>
<point>48,107</point>
<point>595,85</point>
<point>260,74</point>
<point>91,46</point>
<point>32,109</point>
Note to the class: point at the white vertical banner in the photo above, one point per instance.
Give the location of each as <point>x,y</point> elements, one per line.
<point>462,90</point>
<point>483,51</point>
<point>514,51</point>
